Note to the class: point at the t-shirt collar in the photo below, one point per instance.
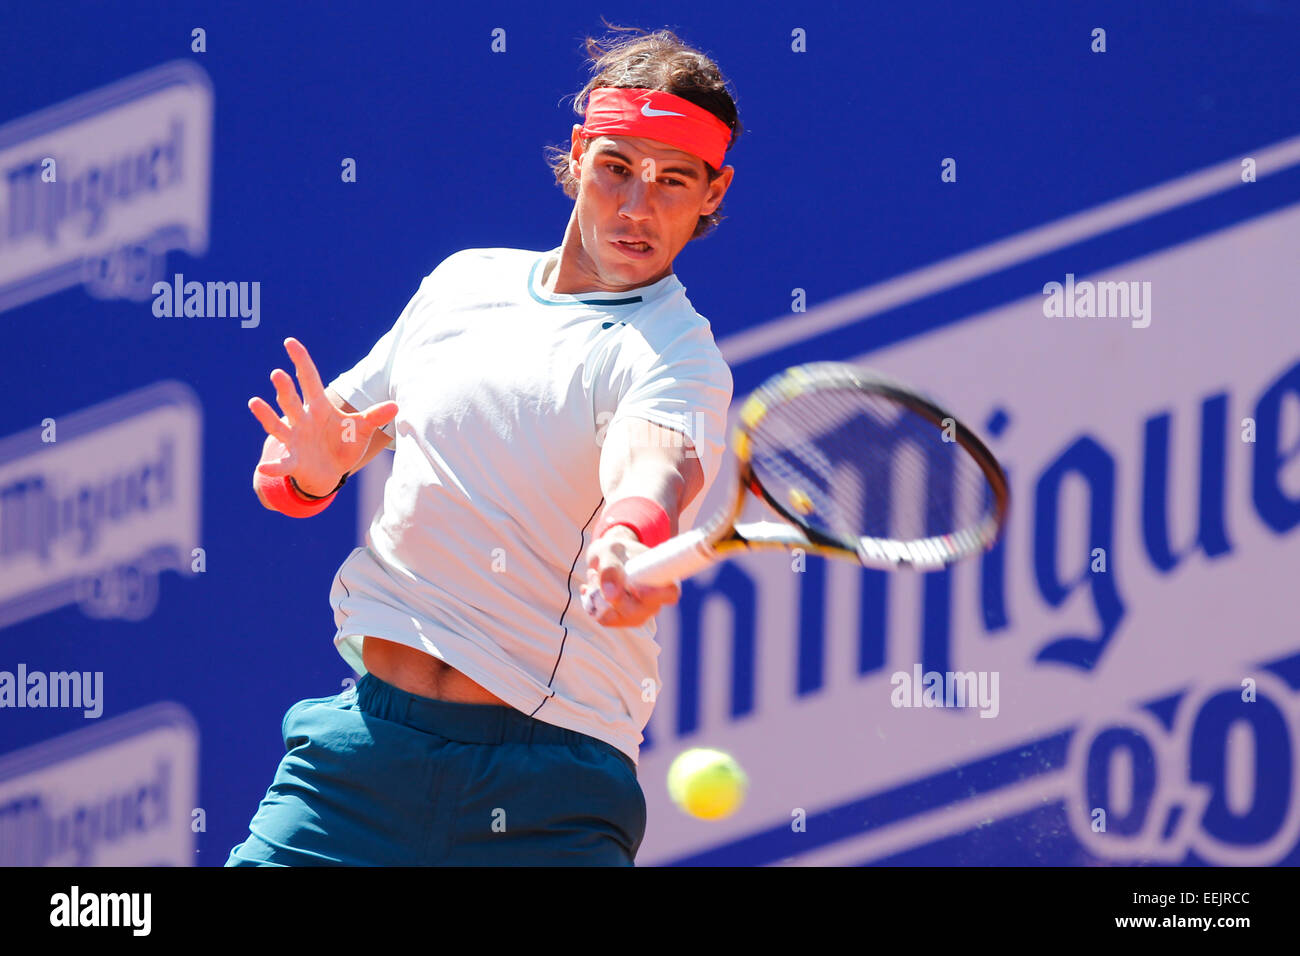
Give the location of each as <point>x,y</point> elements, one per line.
<point>639,295</point>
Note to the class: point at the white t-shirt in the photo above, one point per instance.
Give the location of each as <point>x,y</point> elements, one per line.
<point>478,552</point>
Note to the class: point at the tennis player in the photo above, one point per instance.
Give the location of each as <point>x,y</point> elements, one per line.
<point>552,415</point>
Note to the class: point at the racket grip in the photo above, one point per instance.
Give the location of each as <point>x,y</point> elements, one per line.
<point>675,559</point>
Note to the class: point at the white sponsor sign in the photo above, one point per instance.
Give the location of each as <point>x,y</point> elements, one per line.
<point>120,793</point>
<point>1175,448</point>
<point>93,516</point>
<point>99,188</point>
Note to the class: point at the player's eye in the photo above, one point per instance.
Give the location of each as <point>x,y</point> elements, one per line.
<point>619,169</point>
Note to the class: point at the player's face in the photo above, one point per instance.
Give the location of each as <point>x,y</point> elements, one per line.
<point>633,189</point>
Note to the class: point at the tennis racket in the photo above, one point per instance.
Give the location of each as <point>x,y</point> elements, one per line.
<point>859,467</point>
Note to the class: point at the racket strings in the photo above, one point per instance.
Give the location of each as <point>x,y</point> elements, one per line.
<point>848,463</point>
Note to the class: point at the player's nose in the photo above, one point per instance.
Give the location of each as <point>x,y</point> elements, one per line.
<point>635,203</point>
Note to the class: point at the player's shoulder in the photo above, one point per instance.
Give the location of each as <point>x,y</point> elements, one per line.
<point>672,318</point>
<point>670,332</point>
<point>465,265</point>
<point>487,258</point>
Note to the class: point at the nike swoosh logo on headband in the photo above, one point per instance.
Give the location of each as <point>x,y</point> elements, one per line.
<point>648,110</point>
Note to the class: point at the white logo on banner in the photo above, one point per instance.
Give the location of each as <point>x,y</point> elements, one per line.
<point>1149,560</point>
<point>120,793</point>
<point>93,517</point>
<point>98,189</point>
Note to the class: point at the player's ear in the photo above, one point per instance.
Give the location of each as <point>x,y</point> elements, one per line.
<point>575,150</point>
<point>717,189</point>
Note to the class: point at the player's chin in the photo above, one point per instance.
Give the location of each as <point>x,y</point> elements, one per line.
<point>638,266</point>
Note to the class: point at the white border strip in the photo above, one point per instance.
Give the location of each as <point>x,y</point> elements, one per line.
<point>1021,247</point>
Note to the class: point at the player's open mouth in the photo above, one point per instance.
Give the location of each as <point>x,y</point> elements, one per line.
<point>637,250</point>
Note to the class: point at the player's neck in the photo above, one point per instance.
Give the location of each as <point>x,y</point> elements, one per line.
<point>574,273</point>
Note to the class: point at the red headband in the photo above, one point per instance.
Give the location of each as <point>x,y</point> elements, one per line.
<point>660,116</point>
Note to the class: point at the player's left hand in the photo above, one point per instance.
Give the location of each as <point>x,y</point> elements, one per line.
<point>606,557</point>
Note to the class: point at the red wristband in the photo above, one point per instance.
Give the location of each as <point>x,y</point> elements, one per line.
<point>279,494</point>
<point>643,515</point>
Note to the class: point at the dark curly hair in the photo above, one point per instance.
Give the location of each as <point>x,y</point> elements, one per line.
<point>652,61</point>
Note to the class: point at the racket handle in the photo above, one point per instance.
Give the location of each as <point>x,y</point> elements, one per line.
<point>675,559</point>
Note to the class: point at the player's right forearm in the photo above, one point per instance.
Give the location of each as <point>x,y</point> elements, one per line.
<point>271,492</point>
<point>320,483</point>
<point>278,493</point>
<point>273,451</point>
<point>314,484</point>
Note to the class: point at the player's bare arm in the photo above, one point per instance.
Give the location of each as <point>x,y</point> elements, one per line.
<point>313,440</point>
<point>639,459</point>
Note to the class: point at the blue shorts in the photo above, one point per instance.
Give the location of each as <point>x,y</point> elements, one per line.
<point>375,776</point>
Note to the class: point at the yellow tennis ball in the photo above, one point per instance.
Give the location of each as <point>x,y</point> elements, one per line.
<point>707,784</point>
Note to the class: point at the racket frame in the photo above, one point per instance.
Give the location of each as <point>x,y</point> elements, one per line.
<point>928,553</point>
<point>722,535</point>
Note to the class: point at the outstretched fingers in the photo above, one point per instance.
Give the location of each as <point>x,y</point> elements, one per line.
<point>278,469</point>
<point>379,414</point>
<point>270,421</point>
<point>313,389</point>
<point>287,395</point>
<point>277,461</point>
